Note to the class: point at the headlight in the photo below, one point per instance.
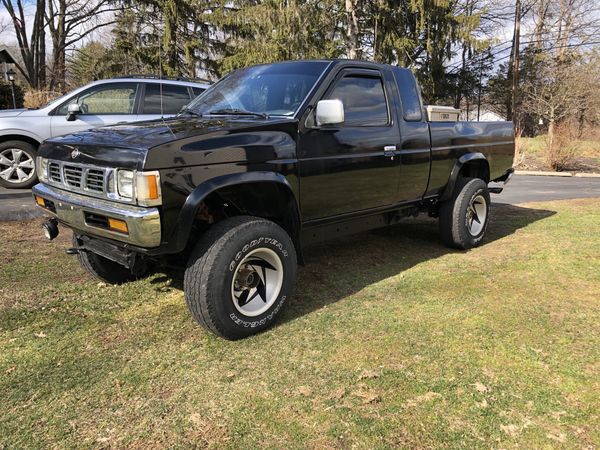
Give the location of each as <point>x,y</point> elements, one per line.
<point>42,168</point>
<point>147,188</point>
<point>125,184</point>
<point>144,187</point>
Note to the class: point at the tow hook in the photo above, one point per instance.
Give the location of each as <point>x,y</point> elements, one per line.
<point>50,228</point>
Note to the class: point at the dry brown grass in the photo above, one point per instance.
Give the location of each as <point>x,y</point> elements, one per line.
<point>37,99</point>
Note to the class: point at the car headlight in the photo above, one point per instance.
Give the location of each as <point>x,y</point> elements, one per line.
<point>144,187</point>
<point>42,168</point>
<point>125,184</point>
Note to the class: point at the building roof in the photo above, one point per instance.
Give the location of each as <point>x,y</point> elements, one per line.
<point>6,55</point>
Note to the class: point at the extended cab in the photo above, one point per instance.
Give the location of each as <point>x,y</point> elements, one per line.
<point>266,161</point>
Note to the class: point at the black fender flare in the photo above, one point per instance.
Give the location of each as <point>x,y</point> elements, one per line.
<point>181,233</point>
<point>458,165</point>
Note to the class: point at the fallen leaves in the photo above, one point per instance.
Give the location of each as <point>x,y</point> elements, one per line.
<point>480,387</point>
<point>368,374</point>
<point>427,397</point>
<point>368,396</point>
<point>511,429</point>
<point>305,391</point>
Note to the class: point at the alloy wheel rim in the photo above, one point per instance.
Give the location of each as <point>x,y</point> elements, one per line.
<point>476,214</point>
<point>16,165</point>
<point>257,282</point>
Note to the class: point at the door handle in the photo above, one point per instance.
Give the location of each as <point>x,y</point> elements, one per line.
<point>389,151</point>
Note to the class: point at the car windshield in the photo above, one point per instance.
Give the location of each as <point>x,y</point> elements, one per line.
<point>273,90</point>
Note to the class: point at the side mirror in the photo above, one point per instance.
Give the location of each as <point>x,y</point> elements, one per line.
<point>330,112</point>
<point>74,109</point>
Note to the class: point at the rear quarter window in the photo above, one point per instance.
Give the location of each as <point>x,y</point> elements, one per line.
<point>173,98</point>
<point>409,96</point>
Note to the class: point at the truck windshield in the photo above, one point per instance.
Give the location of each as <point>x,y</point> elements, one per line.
<point>273,89</point>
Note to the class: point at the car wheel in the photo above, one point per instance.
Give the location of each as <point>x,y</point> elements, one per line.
<point>106,270</point>
<point>239,276</point>
<point>17,165</point>
<point>465,217</point>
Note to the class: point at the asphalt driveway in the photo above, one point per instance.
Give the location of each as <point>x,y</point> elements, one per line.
<point>17,204</point>
<point>528,188</point>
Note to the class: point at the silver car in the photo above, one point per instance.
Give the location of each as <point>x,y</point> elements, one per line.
<point>105,102</point>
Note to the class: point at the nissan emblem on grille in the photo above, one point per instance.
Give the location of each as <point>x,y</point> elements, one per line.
<point>75,153</point>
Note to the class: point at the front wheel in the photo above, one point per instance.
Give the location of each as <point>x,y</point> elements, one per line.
<point>239,276</point>
<point>106,270</point>
<point>464,218</point>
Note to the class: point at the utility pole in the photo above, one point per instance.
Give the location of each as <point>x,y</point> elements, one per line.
<point>515,60</point>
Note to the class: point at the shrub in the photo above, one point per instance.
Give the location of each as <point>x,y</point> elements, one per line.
<point>36,99</point>
<point>562,145</point>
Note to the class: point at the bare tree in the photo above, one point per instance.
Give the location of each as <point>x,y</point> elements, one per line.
<point>562,29</point>
<point>32,45</point>
<point>70,21</point>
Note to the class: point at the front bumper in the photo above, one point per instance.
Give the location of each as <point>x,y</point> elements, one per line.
<point>76,211</point>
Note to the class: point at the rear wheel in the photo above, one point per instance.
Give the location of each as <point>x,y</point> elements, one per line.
<point>464,218</point>
<point>17,164</point>
<point>239,276</point>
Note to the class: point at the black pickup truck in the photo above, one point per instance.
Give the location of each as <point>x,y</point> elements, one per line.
<point>266,161</point>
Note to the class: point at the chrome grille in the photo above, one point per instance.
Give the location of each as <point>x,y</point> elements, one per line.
<point>54,172</point>
<point>78,177</point>
<point>73,175</point>
<point>94,180</point>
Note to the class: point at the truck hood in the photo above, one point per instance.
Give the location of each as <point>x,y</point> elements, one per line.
<point>12,112</point>
<point>130,145</point>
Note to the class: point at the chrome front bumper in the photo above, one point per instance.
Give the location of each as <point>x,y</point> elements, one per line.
<point>143,224</point>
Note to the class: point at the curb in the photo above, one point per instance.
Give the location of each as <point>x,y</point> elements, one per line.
<point>557,174</point>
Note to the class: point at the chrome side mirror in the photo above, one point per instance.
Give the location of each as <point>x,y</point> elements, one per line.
<point>329,112</point>
<point>74,109</point>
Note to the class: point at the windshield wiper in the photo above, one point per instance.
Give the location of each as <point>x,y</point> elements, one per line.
<point>239,112</point>
<point>191,111</point>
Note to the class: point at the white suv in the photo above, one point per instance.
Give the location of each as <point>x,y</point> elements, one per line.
<point>105,102</point>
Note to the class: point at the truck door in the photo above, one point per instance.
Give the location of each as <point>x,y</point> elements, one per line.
<point>415,147</point>
<point>353,166</point>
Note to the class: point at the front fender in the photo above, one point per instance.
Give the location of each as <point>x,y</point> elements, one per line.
<point>17,132</point>
<point>181,234</point>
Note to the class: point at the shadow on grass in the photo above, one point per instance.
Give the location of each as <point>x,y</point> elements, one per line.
<point>339,268</point>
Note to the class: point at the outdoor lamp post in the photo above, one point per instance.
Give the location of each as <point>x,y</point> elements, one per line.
<point>11,77</point>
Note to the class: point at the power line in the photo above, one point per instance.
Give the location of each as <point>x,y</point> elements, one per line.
<point>457,67</point>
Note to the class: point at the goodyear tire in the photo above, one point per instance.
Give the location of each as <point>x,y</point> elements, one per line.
<point>239,276</point>
<point>465,217</point>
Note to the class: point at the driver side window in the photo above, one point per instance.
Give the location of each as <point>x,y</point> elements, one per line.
<point>105,99</point>
<point>364,100</point>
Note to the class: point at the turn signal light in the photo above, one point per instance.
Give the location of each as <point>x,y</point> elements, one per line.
<point>117,225</point>
<point>40,201</point>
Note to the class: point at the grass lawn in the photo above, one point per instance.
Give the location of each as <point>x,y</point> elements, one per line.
<point>391,340</point>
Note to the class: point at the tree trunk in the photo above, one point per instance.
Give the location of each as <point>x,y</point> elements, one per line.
<point>353,46</point>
